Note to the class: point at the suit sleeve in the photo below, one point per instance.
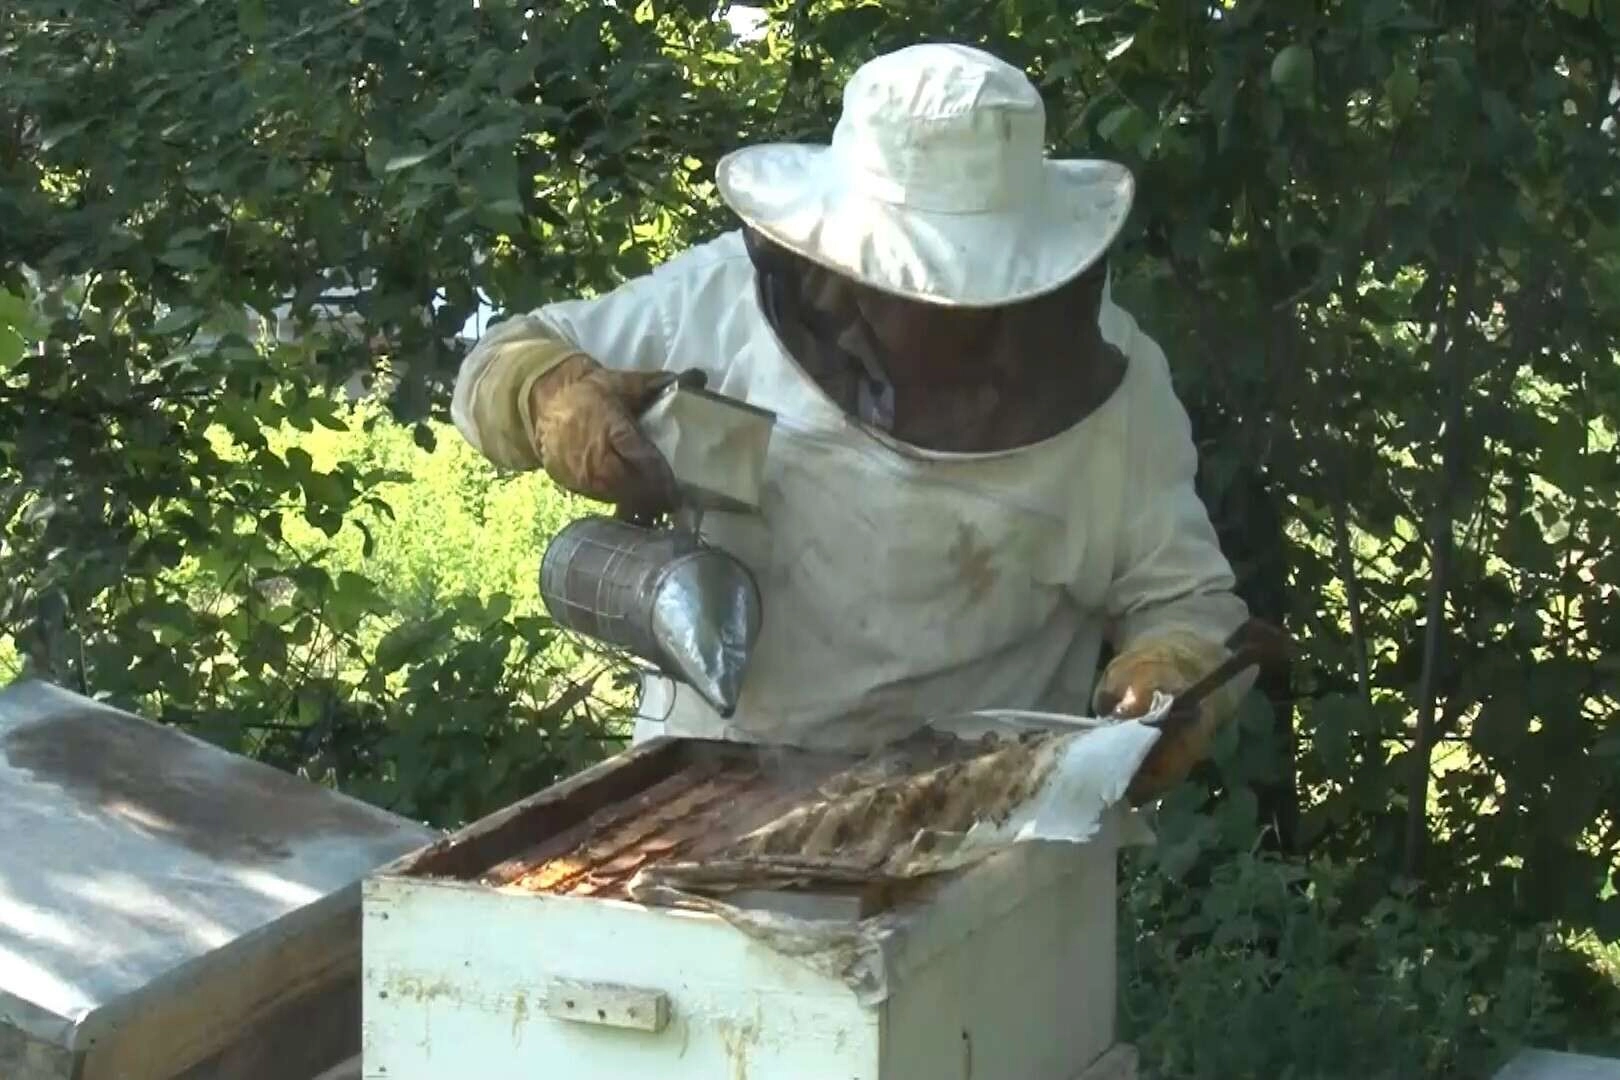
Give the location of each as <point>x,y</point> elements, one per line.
<point>1170,576</point>
<point>628,328</point>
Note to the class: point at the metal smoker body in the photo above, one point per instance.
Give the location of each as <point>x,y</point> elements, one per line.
<point>664,595</point>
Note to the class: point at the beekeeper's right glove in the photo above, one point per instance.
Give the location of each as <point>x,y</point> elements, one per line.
<point>541,401</point>
<point>583,417</point>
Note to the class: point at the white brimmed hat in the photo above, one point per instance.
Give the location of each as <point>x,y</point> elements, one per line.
<point>936,186</point>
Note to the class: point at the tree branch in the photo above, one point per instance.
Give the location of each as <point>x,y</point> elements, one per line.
<point>1441,544</point>
<point>1352,598</point>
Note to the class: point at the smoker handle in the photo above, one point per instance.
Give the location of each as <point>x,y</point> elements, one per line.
<point>607,1005</point>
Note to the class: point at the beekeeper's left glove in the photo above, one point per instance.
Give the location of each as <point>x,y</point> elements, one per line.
<point>1169,663</point>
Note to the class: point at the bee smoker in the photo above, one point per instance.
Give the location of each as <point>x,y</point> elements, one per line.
<point>665,595</point>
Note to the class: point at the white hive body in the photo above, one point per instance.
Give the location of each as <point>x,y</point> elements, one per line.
<point>524,941</point>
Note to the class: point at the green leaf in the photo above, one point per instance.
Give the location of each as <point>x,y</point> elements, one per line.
<point>328,521</point>
<point>1122,126</point>
<point>1237,816</point>
<point>12,347</point>
<point>505,133</point>
<point>55,136</point>
<point>324,412</point>
<point>313,580</point>
<point>356,591</point>
<point>300,463</point>
<point>1333,720</point>
<point>328,489</point>
<point>178,320</point>
<point>403,645</point>
<point>17,316</point>
<point>252,16</point>
<point>1401,88</point>
<point>516,73</point>
<point>1501,728</point>
<point>1293,71</point>
<point>185,258</point>
<point>400,162</point>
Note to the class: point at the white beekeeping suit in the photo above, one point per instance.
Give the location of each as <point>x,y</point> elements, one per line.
<point>902,580</point>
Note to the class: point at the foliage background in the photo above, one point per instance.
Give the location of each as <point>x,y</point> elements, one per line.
<point>1378,239</point>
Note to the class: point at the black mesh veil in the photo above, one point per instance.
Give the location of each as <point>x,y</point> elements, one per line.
<point>954,379</point>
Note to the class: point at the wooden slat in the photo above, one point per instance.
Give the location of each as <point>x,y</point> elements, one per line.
<point>1119,1063</point>
<point>312,956</point>
<point>309,1034</point>
<point>581,833</point>
<point>23,1057</point>
<point>633,1008</point>
<point>348,1070</point>
<point>849,903</point>
<point>479,846</point>
<point>502,847</point>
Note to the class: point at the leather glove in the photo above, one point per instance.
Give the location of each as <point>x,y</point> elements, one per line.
<point>1168,663</point>
<point>583,423</point>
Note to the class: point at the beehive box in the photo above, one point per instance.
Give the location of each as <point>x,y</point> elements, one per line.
<point>169,910</point>
<point>1552,1065</point>
<point>512,948</point>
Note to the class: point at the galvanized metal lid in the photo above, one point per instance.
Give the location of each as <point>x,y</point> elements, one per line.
<point>715,445</point>
<point>133,850</point>
<point>1553,1065</point>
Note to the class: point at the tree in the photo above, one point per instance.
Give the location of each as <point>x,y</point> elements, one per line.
<point>171,176</point>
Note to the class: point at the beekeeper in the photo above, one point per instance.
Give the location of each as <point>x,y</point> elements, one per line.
<point>980,471</point>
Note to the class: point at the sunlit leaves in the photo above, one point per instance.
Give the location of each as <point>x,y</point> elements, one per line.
<point>19,327</point>
<point>357,178</point>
